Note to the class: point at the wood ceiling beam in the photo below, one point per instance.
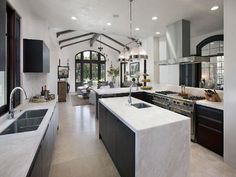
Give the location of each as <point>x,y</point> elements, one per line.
<point>64,32</point>
<point>108,46</point>
<point>76,37</point>
<point>67,45</point>
<point>94,38</point>
<point>110,38</point>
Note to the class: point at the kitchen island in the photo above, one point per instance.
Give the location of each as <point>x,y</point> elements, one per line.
<point>150,142</point>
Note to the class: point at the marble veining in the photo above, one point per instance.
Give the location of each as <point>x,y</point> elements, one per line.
<point>162,138</point>
<point>17,150</point>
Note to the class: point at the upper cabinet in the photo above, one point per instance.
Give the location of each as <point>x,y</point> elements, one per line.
<point>36,57</point>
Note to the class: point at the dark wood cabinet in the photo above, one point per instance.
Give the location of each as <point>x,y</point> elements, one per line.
<point>209,128</point>
<point>119,141</point>
<point>36,56</point>
<point>62,91</point>
<point>42,160</point>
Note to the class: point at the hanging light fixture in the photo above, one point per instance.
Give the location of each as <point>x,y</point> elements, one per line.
<point>136,52</point>
<point>124,56</point>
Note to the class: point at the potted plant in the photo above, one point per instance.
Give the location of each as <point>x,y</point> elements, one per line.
<point>113,73</point>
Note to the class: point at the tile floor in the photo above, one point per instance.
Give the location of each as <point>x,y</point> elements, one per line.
<point>79,153</point>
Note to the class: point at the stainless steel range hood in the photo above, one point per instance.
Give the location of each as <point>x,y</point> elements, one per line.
<point>178,45</point>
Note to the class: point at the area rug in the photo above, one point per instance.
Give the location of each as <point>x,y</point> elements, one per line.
<point>77,100</point>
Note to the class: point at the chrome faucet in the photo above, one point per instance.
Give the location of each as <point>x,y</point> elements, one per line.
<point>130,90</point>
<point>11,109</point>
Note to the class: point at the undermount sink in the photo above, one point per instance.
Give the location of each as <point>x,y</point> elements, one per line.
<point>28,121</point>
<point>141,105</point>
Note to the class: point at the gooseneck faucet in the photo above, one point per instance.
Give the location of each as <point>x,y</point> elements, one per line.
<point>11,109</point>
<point>130,90</point>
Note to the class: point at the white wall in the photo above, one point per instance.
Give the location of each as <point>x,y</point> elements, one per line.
<point>230,83</point>
<point>33,27</point>
<point>69,53</point>
<point>170,74</point>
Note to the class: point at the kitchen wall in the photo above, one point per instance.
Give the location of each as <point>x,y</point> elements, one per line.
<point>169,74</point>
<point>230,83</point>
<point>33,27</point>
<point>69,53</point>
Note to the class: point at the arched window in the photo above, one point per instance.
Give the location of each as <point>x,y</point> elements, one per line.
<point>89,65</point>
<point>213,72</point>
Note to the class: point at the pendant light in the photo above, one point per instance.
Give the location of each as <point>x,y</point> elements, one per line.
<point>124,56</point>
<point>136,52</point>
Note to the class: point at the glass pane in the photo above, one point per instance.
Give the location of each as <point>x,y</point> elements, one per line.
<point>102,58</point>
<point>94,56</point>
<point>215,45</point>
<point>78,56</point>
<point>86,72</point>
<point>103,72</point>
<point>3,76</point>
<point>78,73</point>
<point>95,71</point>
<point>87,55</point>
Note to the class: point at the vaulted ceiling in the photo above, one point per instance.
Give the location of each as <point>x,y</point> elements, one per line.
<point>93,15</point>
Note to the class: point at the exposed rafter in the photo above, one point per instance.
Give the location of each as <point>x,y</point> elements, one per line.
<point>110,38</point>
<point>108,46</point>
<point>94,38</point>
<point>64,32</point>
<point>67,45</point>
<point>76,37</point>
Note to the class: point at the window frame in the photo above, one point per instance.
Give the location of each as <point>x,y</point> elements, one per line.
<point>81,62</point>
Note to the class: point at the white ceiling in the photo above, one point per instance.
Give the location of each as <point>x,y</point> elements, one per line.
<point>94,14</point>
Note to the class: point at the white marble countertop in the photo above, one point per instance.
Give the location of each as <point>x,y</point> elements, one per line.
<point>140,119</point>
<point>17,150</point>
<point>162,138</point>
<point>108,91</point>
<point>216,105</point>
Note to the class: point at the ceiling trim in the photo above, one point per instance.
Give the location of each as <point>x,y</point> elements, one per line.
<point>110,38</point>
<point>76,37</point>
<point>108,46</point>
<point>67,45</point>
<point>94,38</point>
<point>64,32</point>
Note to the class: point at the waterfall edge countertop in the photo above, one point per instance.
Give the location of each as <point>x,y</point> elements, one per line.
<point>162,137</point>
<point>18,150</point>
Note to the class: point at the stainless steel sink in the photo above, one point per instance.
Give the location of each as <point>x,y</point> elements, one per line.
<point>141,105</point>
<point>28,121</point>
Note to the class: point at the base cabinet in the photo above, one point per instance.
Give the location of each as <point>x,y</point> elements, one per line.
<point>119,141</point>
<point>209,128</point>
<point>42,160</point>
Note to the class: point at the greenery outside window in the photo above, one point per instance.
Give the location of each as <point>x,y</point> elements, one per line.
<point>89,65</point>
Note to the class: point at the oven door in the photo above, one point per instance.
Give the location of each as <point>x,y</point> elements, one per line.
<point>160,104</point>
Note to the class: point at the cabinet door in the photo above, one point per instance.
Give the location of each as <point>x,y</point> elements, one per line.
<point>124,150</point>
<point>209,128</point>
<point>36,170</point>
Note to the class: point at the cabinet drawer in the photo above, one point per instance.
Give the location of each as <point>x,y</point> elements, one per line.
<point>212,123</point>
<point>210,112</point>
<point>210,138</point>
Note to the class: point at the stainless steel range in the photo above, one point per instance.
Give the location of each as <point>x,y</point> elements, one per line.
<point>185,106</point>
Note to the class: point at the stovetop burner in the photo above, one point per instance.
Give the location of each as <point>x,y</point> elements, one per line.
<point>194,98</point>
<point>167,92</point>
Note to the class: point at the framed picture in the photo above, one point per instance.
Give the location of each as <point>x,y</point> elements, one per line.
<point>63,72</point>
<point>134,68</point>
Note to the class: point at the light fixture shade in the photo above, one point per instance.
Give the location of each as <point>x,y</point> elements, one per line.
<point>138,53</point>
<point>124,56</point>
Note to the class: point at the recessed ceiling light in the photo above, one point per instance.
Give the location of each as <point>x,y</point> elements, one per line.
<point>158,33</point>
<point>154,18</point>
<point>214,8</point>
<point>108,24</point>
<point>73,18</point>
<point>212,43</point>
<point>137,29</point>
